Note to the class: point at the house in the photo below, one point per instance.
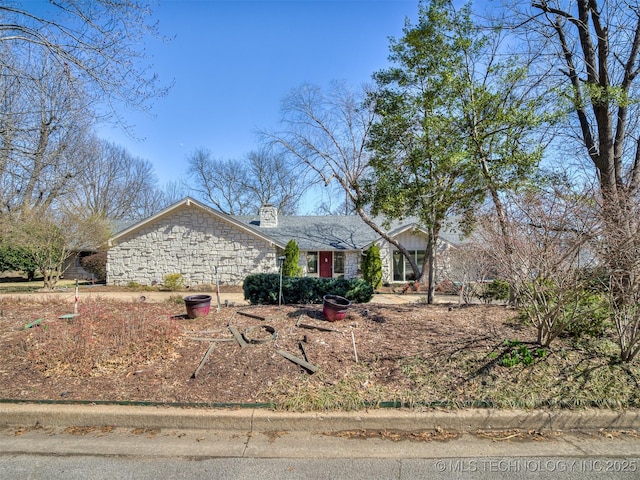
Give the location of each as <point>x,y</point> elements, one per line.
<point>202,243</point>
<point>72,267</point>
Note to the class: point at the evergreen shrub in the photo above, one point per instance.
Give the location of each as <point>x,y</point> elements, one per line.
<point>262,288</point>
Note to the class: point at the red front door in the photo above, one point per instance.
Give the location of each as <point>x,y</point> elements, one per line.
<point>326,264</point>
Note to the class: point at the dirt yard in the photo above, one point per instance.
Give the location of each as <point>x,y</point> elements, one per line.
<point>141,351</point>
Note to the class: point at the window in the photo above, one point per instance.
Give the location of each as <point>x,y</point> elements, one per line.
<point>312,262</point>
<point>398,266</point>
<point>402,271</point>
<point>338,263</point>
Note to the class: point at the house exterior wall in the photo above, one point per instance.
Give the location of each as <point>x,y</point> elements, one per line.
<point>73,270</point>
<point>414,241</point>
<point>190,242</point>
<point>352,264</point>
<point>386,258</point>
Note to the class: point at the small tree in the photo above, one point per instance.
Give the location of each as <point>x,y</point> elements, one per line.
<point>372,266</point>
<point>290,267</point>
<point>48,241</point>
<point>548,234</point>
<point>471,268</point>
<point>45,242</point>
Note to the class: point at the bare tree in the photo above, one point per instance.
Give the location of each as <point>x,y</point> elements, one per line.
<point>620,249</point>
<point>595,46</point>
<point>471,266</point>
<point>239,187</point>
<point>216,181</point>
<point>98,43</point>
<point>329,133</point>
<point>115,185</point>
<point>273,180</point>
<point>43,122</point>
<point>173,192</point>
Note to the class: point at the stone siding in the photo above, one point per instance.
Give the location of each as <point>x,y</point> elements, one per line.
<point>190,242</point>
<point>386,258</point>
<point>352,265</point>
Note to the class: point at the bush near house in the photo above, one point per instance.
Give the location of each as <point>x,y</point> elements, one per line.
<point>495,290</point>
<point>96,264</point>
<point>173,281</point>
<point>263,288</point>
<point>372,266</point>
<point>290,267</point>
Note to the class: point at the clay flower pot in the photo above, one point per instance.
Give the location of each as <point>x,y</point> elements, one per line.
<point>197,305</point>
<point>334,307</point>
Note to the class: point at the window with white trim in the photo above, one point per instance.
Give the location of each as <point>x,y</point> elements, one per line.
<point>312,263</point>
<point>338,264</point>
<point>402,271</point>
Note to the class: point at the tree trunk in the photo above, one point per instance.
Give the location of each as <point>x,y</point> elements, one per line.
<point>428,271</point>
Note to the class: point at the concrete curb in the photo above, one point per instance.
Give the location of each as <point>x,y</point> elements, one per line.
<point>262,420</point>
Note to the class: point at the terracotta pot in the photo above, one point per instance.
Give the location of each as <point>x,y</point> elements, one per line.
<point>197,305</point>
<point>334,307</point>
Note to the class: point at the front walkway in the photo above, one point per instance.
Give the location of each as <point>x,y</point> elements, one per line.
<point>231,299</point>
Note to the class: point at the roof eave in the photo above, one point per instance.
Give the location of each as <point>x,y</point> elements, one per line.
<point>188,201</point>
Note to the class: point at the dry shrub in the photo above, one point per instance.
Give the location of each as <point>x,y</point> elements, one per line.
<point>105,337</point>
<point>620,250</point>
<point>545,247</point>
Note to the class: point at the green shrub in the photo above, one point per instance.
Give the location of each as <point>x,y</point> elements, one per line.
<point>173,281</point>
<point>590,317</point>
<point>17,258</point>
<point>496,290</point>
<point>263,289</point>
<point>290,267</point>
<point>372,267</point>
<point>520,353</point>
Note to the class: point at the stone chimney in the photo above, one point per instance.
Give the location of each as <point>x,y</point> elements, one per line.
<point>268,216</point>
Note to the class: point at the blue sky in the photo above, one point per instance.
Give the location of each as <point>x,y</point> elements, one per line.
<point>233,61</point>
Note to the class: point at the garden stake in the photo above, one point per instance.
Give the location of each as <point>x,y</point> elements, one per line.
<point>215,269</point>
<point>75,305</point>
<point>353,340</point>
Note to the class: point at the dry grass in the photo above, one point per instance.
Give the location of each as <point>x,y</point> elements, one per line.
<point>104,339</point>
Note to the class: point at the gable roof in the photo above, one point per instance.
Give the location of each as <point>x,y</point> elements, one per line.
<point>311,233</point>
<point>190,202</point>
<point>335,232</point>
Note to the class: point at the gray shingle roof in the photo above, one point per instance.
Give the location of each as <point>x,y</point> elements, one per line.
<point>328,232</point>
<point>318,232</point>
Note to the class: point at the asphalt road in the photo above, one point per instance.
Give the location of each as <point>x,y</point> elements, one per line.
<point>125,453</point>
